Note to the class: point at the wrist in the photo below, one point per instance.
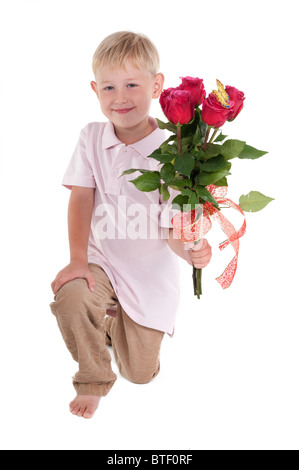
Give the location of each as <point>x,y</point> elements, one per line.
<point>79,259</point>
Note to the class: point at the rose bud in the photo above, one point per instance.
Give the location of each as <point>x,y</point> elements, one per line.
<point>164,97</point>
<point>213,112</point>
<point>177,105</point>
<point>238,98</point>
<point>217,107</point>
<point>196,89</point>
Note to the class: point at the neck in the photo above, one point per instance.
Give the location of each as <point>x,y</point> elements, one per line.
<point>134,134</point>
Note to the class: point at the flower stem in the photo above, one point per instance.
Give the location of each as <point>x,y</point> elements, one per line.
<point>194,280</point>
<point>200,278</point>
<point>197,277</point>
<point>179,134</point>
<point>213,136</point>
<point>206,139</point>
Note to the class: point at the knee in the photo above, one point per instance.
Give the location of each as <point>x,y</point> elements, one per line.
<point>70,298</point>
<point>143,374</point>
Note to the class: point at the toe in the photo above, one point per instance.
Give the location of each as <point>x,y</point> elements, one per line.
<point>81,411</point>
<point>73,405</point>
<point>88,414</point>
<point>75,409</point>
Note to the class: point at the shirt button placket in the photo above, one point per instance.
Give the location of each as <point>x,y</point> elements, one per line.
<point>122,161</point>
<point>117,170</point>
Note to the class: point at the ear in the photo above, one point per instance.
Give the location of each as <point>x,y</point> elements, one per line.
<point>95,88</point>
<point>158,85</point>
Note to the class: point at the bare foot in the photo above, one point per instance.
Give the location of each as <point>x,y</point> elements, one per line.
<point>85,406</point>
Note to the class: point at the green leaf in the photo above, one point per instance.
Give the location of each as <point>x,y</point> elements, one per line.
<point>184,164</point>
<point>204,179</point>
<point>220,138</point>
<point>214,164</point>
<point>179,184</point>
<point>149,181</point>
<point>193,201</point>
<point>186,192</point>
<point>232,148</point>
<point>254,201</point>
<point>128,172</point>
<point>167,158</point>
<point>180,201</point>
<point>166,146</point>
<point>167,172</point>
<point>165,193</point>
<point>187,143</point>
<point>212,150</point>
<point>203,128</point>
<point>162,157</point>
<point>167,125</point>
<point>192,197</point>
<point>204,194</point>
<point>251,152</point>
<point>222,182</point>
<point>197,136</point>
<point>189,129</point>
<point>200,155</point>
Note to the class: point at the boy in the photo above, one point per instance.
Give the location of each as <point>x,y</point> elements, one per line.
<point>138,274</point>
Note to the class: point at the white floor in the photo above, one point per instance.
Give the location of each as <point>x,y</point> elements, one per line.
<point>229,377</point>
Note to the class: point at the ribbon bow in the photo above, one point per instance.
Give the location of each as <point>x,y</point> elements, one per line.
<point>191,226</point>
<point>233,235</point>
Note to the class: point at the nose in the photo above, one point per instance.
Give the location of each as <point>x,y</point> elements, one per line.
<point>120,97</point>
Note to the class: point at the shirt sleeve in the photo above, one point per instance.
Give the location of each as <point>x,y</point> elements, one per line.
<point>167,213</point>
<point>79,171</point>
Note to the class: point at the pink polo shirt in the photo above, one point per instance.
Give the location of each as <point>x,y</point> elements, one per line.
<point>127,238</point>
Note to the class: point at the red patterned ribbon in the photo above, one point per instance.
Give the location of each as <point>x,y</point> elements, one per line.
<point>189,229</point>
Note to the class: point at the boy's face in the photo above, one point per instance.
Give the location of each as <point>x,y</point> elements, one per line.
<point>125,95</point>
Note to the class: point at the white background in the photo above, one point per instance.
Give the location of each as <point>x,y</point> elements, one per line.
<point>229,377</point>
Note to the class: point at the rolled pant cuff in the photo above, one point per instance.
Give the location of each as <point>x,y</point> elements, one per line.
<point>98,390</point>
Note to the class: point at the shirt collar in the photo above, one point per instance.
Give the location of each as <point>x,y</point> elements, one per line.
<point>144,147</point>
<point>109,138</point>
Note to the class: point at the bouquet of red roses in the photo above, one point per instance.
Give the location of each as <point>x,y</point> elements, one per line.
<point>196,160</point>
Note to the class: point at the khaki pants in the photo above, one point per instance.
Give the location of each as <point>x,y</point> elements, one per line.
<point>81,318</point>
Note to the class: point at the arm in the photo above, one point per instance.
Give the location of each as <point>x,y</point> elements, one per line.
<point>79,219</point>
<point>199,256</point>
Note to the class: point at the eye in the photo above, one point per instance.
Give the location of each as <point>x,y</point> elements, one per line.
<point>132,85</point>
<point>108,88</point>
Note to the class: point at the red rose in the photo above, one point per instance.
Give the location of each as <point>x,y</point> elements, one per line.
<point>165,97</point>
<point>238,98</point>
<point>177,105</point>
<point>195,87</point>
<point>214,113</point>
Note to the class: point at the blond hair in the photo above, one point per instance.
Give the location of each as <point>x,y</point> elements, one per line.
<point>124,46</point>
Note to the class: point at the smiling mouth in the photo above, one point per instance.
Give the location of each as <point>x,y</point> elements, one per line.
<point>123,111</point>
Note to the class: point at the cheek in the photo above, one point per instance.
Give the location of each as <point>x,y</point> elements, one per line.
<point>102,98</point>
<point>104,102</point>
<point>144,100</point>
<point>105,108</point>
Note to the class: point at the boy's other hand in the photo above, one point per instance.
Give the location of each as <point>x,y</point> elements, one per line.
<point>75,270</point>
<point>199,255</point>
